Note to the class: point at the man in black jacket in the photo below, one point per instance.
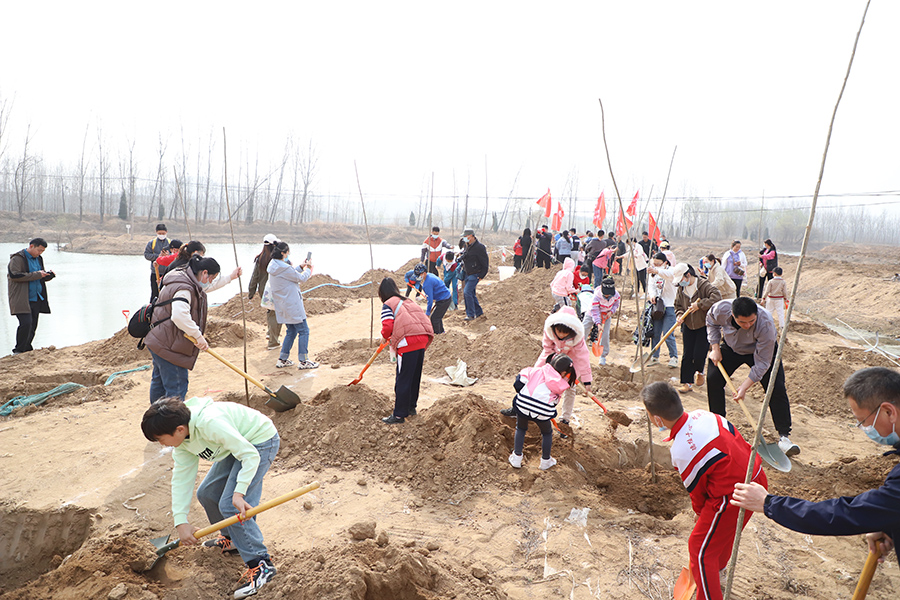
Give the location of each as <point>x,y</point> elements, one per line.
<point>475,260</point>
<point>874,398</point>
<point>154,248</point>
<point>544,248</point>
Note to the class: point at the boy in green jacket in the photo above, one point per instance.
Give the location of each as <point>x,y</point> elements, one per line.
<point>241,443</point>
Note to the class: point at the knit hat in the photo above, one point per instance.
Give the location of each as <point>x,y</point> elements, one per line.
<point>608,287</point>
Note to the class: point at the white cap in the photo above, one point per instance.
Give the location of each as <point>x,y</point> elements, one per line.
<point>270,239</point>
<point>680,270</point>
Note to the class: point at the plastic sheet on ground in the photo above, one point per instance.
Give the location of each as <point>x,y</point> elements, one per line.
<point>456,375</point>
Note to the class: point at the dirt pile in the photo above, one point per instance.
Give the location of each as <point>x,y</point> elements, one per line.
<point>382,570</point>
<point>220,332</point>
<point>353,352</point>
<point>231,310</point>
<point>459,446</point>
<point>500,353</point>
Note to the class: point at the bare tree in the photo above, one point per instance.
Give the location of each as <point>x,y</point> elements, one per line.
<point>102,171</point>
<point>82,174</point>
<point>158,183</point>
<point>5,111</point>
<point>22,177</point>
<point>309,162</point>
<point>208,175</point>
<point>284,160</point>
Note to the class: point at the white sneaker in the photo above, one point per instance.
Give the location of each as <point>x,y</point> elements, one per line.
<point>653,361</point>
<point>307,364</point>
<point>283,362</point>
<point>547,463</point>
<point>788,447</point>
<point>602,360</point>
<point>516,460</point>
<point>673,362</point>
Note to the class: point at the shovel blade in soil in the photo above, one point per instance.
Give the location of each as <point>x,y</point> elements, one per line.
<point>773,455</point>
<point>162,545</point>
<point>282,400</point>
<point>685,585</point>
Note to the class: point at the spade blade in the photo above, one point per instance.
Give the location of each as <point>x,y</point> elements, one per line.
<point>282,400</point>
<point>773,455</point>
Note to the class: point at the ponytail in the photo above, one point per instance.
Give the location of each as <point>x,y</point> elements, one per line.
<point>279,250</point>
<point>208,264</point>
<point>188,250</point>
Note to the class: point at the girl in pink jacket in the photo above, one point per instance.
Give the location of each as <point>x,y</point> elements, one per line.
<point>563,285</point>
<point>538,390</point>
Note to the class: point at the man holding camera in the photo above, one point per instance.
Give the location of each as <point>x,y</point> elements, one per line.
<point>27,290</point>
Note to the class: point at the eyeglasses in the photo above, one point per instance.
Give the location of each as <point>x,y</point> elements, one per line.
<point>874,412</point>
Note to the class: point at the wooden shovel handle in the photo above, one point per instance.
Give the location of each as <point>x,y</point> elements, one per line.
<point>865,578</point>
<point>256,510</point>
<point>670,331</point>
<point>232,367</point>
<point>740,402</point>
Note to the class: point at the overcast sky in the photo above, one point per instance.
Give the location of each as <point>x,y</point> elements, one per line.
<point>745,90</point>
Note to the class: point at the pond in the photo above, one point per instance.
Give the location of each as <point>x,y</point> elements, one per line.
<point>91,290</point>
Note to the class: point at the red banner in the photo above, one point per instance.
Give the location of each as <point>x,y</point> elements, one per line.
<point>556,222</point>
<point>544,202</point>
<point>600,212</point>
<point>621,226</point>
<point>654,230</point>
<point>632,208</point>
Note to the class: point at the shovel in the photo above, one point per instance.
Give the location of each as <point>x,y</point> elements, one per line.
<point>615,416</point>
<point>280,401</point>
<point>636,365</point>
<point>770,453</point>
<point>865,578</point>
<point>369,364</point>
<point>685,585</point>
<point>163,545</point>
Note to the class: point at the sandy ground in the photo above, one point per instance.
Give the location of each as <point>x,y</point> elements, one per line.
<point>443,514</point>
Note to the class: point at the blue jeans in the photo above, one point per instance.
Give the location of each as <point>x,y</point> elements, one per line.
<point>662,326</point>
<point>301,332</point>
<point>473,309</point>
<point>450,282</point>
<point>215,494</point>
<point>598,275</point>
<point>167,379</point>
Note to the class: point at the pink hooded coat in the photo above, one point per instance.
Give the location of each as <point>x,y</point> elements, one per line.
<point>564,282</point>
<point>574,348</point>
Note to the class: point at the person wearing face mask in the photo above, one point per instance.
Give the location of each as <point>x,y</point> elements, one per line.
<point>873,395</point>
<point>431,249</point>
<point>437,297</point>
<point>173,354</point>
<point>284,288</point>
<point>741,334</point>
<point>152,250</point>
<point>475,261</point>
<point>661,288</point>
<point>700,294</point>
<point>603,307</point>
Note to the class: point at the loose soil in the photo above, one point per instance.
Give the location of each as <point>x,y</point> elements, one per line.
<point>429,508</point>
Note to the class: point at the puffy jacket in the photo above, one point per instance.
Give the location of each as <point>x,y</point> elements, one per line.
<point>563,282</point>
<point>574,348</point>
<point>409,320</point>
<point>166,340</point>
<point>541,391</point>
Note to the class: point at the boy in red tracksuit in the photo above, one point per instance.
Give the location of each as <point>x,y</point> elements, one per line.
<point>711,457</point>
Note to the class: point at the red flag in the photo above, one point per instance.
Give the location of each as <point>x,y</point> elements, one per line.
<point>632,208</point>
<point>600,212</point>
<point>544,202</point>
<point>556,222</point>
<point>621,226</point>
<point>654,230</point>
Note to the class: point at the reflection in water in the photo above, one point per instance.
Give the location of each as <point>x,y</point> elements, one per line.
<point>91,290</point>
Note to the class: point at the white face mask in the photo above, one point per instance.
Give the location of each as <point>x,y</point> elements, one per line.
<point>160,236</point>
<point>434,236</point>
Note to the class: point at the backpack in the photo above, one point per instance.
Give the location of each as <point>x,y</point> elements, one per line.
<point>141,322</point>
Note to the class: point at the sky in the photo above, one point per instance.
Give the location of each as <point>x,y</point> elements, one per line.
<point>468,89</point>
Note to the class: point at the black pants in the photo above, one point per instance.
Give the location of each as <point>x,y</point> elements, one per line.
<point>693,353</point>
<point>737,286</point>
<point>715,387</point>
<point>437,315</point>
<point>406,385</point>
<point>543,258</point>
<point>762,284</point>
<point>546,434</point>
<point>432,268</point>
<point>517,262</point>
<point>28,323</point>
<point>642,279</point>
<point>154,287</point>
<point>409,290</point>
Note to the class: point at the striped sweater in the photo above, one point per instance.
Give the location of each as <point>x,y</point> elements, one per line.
<point>540,393</point>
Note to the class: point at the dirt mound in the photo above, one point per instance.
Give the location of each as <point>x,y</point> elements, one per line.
<point>459,446</point>
<point>220,332</point>
<point>231,310</point>
<point>353,352</point>
<point>117,352</point>
<point>500,353</point>
<point>322,306</point>
<point>809,327</point>
<point>382,571</point>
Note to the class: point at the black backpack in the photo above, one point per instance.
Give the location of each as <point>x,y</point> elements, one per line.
<point>142,321</point>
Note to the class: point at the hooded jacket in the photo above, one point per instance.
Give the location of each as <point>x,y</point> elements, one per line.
<point>563,282</point>
<point>217,430</point>
<point>284,289</point>
<point>540,394</point>
<point>574,348</point>
<point>18,277</point>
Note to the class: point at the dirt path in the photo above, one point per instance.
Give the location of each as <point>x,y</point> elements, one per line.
<point>81,491</point>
